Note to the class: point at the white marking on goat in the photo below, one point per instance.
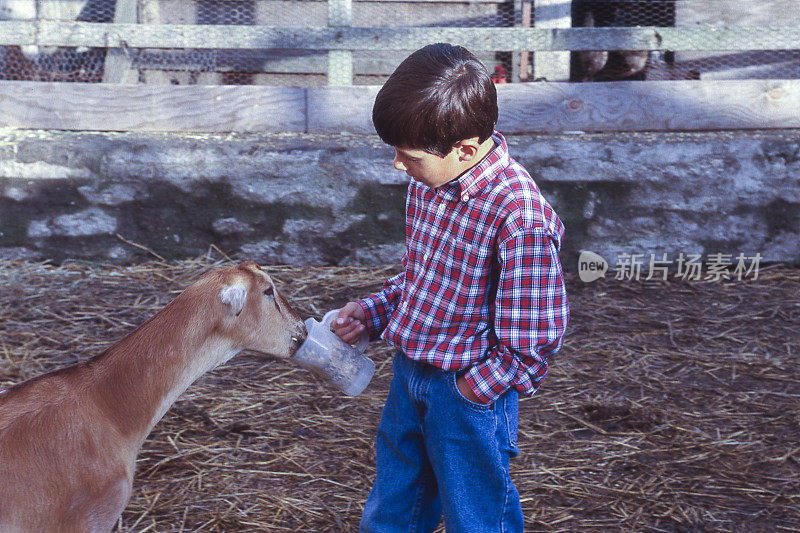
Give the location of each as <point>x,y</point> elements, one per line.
<point>234,296</point>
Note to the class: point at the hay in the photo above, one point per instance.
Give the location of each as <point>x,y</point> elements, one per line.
<point>674,406</point>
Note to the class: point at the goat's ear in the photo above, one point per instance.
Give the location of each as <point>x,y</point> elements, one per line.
<point>233,296</point>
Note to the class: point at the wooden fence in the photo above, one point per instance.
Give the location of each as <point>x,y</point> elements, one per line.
<point>690,105</point>
<point>525,107</point>
<point>51,33</point>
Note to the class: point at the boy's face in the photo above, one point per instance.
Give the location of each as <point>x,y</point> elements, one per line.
<point>427,168</point>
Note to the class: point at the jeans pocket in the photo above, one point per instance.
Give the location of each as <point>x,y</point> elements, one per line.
<point>511,415</point>
<point>452,381</point>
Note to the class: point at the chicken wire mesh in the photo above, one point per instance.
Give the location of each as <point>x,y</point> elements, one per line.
<point>602,65</point>
<point>310,67</point>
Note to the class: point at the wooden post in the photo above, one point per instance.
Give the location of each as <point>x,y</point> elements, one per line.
<point>552,66</point>
<point>340,62</point>
<point>150,13</point>
<point>118,62</point>
<point>524,71</point>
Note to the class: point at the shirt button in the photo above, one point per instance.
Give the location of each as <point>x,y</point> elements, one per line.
<point>464,197</point>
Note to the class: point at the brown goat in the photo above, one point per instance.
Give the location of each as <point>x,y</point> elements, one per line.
<point>69,438</point>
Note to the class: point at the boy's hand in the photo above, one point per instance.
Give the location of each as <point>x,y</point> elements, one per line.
<point>466,390</point>
<point>349,324</point>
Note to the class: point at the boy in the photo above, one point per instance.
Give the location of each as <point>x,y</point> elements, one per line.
<point>476,312</point>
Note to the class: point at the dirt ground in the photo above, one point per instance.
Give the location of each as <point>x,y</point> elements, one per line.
<point>674,406</point>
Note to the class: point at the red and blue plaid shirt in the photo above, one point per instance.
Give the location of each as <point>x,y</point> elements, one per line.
<point>482,288</point>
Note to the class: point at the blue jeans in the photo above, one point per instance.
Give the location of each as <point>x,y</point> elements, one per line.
<point>439,452</point>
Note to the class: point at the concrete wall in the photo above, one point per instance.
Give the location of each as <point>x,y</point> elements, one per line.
<point>335,200</point>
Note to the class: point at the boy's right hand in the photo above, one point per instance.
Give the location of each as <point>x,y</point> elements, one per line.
<point>349,325</point>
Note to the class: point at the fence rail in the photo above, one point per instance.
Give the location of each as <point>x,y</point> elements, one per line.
<point>165,36</point>
<point>131,50</point>
<point>524,107</point>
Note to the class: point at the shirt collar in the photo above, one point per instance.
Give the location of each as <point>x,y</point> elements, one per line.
<point>476,178</point>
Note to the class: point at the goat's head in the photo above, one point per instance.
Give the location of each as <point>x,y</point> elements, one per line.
<point>252,313</point>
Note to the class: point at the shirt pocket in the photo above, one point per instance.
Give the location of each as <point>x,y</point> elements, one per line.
<point>470,265</point>
<point>458,275</point>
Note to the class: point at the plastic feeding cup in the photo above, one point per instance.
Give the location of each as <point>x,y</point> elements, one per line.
<point>328,356</point>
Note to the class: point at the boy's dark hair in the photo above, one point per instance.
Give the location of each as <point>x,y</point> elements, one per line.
<point>438,96</point>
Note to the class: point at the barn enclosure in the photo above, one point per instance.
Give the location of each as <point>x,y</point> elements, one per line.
<point>247,124</point>
<point>145,141</point>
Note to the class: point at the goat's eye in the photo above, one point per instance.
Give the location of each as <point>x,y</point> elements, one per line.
<point>269,291</point>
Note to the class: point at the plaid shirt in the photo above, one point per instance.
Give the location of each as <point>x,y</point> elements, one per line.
<point>482,289</point>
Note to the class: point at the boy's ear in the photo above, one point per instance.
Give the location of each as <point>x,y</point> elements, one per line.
<point>468,149</point>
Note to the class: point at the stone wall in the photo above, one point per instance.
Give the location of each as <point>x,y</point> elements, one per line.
<point>335,200</point>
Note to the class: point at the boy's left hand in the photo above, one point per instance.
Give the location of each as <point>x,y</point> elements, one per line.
<point>466,390</point>
<point>349,323</point>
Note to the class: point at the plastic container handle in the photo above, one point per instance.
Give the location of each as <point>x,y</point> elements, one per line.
<point>327,320</point>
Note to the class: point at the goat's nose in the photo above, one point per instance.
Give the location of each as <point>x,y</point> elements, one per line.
<point>301,335</point>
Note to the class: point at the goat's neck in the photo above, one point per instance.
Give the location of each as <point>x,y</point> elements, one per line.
<point>141,376</point>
